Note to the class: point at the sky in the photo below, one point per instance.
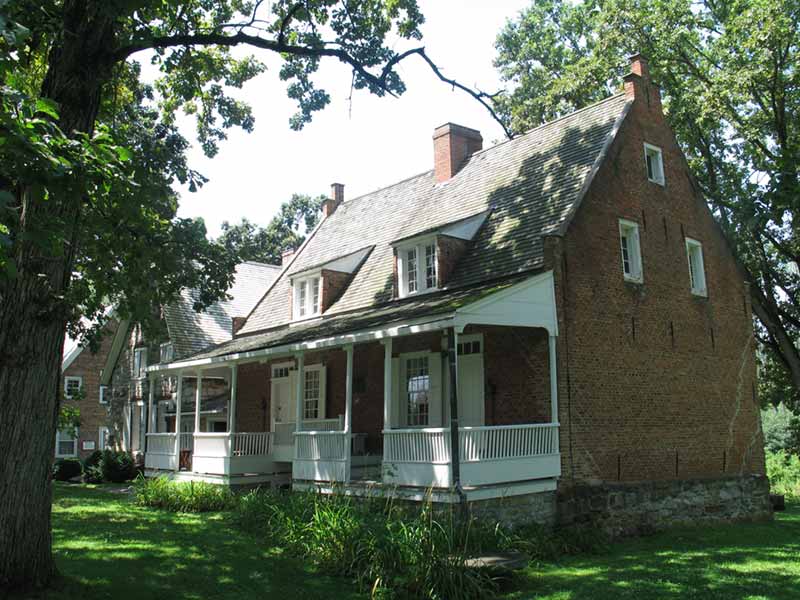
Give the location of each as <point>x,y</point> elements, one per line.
<point>365,144</point>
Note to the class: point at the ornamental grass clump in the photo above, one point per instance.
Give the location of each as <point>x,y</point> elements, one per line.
<point>182,496</point>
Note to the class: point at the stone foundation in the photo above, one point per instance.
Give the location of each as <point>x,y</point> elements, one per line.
<point>512,511</point>
<point>638,508</point>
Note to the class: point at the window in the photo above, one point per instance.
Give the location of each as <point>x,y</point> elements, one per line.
<point>631,251</point>
<point>72,387</point>
<point>67,443</point>
<point>307,297</point>
<point>466,348</point>
<point>417,268</point>
<point>697,274</point>
<point>105,394</point>
<point>418,388</point>
<point>279,372</point>
<point>104,438</point>
<point>140,362</point>
<point>311,400</point>
<point>655,164</point>
<point>167,352</point>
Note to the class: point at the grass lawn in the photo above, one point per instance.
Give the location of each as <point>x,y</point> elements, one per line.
<point>106,547</point>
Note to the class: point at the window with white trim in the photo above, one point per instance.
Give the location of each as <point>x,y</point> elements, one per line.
<point>103,438</point>
<point>697,273</point>
<point>140,362</point>
<point>311,399</point>
<point>654,162</point>
<point>72,387</point>
<point>417,268</point>
<point>167,352</point>
<point>306,295</point>
<point>105,394</point>
<point>418,388</point>
<point>67,443</point>
<point>630,251</point>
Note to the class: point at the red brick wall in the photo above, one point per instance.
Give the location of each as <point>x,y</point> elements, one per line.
<point>252,401</point>
<point>88,365</point>
<point>647,390</point>
<point>448,251</point>
<point>333,284</point>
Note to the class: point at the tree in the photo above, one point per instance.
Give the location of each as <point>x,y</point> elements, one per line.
<point>87,156</point>
<point>267,244</point>
<point>731,88</point>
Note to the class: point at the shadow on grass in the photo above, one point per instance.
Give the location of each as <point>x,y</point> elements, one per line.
<point>106,547</point>
<point>746,560</point>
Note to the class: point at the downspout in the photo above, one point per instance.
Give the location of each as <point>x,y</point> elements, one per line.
<point>455,455</point>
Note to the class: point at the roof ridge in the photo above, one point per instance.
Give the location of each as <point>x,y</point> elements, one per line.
<point>259,264</point>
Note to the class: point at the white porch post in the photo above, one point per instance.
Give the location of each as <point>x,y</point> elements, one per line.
<point>348,411</point>
<point>553,384</point>
<point>387,383</point>
<point>299,391</point>
<point>178,422</point>
<point>150,422</point>
<point>197,397</point>
<point>232,408</point>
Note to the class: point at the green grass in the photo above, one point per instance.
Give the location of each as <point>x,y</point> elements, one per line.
<point>748,560</point>
<point>107,547</point>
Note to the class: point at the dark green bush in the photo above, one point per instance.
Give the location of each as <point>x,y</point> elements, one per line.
<point>117,467</point>
<point>65,469</point>
<point>92,460</point>
<point>93,474</point>
<point>182,496</point>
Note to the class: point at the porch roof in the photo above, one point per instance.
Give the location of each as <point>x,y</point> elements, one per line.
<point>418,310</point>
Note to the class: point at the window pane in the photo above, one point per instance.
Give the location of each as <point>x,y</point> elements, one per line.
<point>626,254</point>
<point>430,266</point>
<point>302,299</point>
<point>650,174</point>
<point>314,296</point>
<point>311,399</point>
<point>418,386</point>
<point>411,268</point>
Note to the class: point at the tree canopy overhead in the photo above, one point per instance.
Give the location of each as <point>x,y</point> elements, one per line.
<point>88,157</point>
<point>731,89</point>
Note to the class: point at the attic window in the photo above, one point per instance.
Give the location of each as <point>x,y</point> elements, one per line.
<point>697,273</point>
<point>417,267</point>
<point>307,297</point>
<point>655,164</point>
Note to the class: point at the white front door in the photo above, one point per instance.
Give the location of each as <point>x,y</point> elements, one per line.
<point>471,412</point>
<point>283,405</point>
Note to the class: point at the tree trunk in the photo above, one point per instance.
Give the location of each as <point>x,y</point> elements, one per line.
<point>784,344</point>
<point>33,316</point>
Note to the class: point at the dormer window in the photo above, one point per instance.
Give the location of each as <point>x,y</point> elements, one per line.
<point>417,267</point>
<point>306,297</point>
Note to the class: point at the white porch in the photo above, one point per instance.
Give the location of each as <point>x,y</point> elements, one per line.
<point>461,453</point>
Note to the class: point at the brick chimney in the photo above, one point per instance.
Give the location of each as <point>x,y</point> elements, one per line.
<point>237,324</point>
<point>639,85</point>
<point>330,205</point>
<point>452,145</point>
<point>286,256</point>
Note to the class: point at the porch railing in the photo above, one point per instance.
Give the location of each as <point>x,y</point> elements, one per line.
<point>161,443</point>
<point>507,441</point>
<point>225,444</point>
<point>321,445</point>
<point>284,432</point>
<point>187,441</point>
<point>429,445</point>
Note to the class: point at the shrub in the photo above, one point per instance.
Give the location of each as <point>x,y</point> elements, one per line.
<point>92,460</point>
<point>182,496</point>
<point>783,470</point>
<point>117,467</point>
<point>65,469</point>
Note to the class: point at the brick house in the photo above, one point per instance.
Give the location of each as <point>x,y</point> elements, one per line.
<point>112,412</point>
<point>553,327</point>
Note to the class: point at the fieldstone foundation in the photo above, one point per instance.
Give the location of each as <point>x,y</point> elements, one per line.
<point>637,508</point>
<point>512,511</point>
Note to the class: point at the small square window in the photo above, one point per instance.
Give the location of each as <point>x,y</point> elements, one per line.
<point>105,394</point>
<point>631,252</point>
<point>72,387</point>
<point>654,163</point>
<point>697,273</point>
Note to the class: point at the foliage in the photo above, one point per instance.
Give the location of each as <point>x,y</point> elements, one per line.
<point>781,429</point>
<point>65,469</point>
<point>117,466</point>
<point>69,418</point>
<point>730,87</point>
<point>783,470</point>
<point>182,496</point>
<point>267,244</point>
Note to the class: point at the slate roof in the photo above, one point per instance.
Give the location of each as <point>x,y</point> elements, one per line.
<point>531,184</point>
<point>192,332</point>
